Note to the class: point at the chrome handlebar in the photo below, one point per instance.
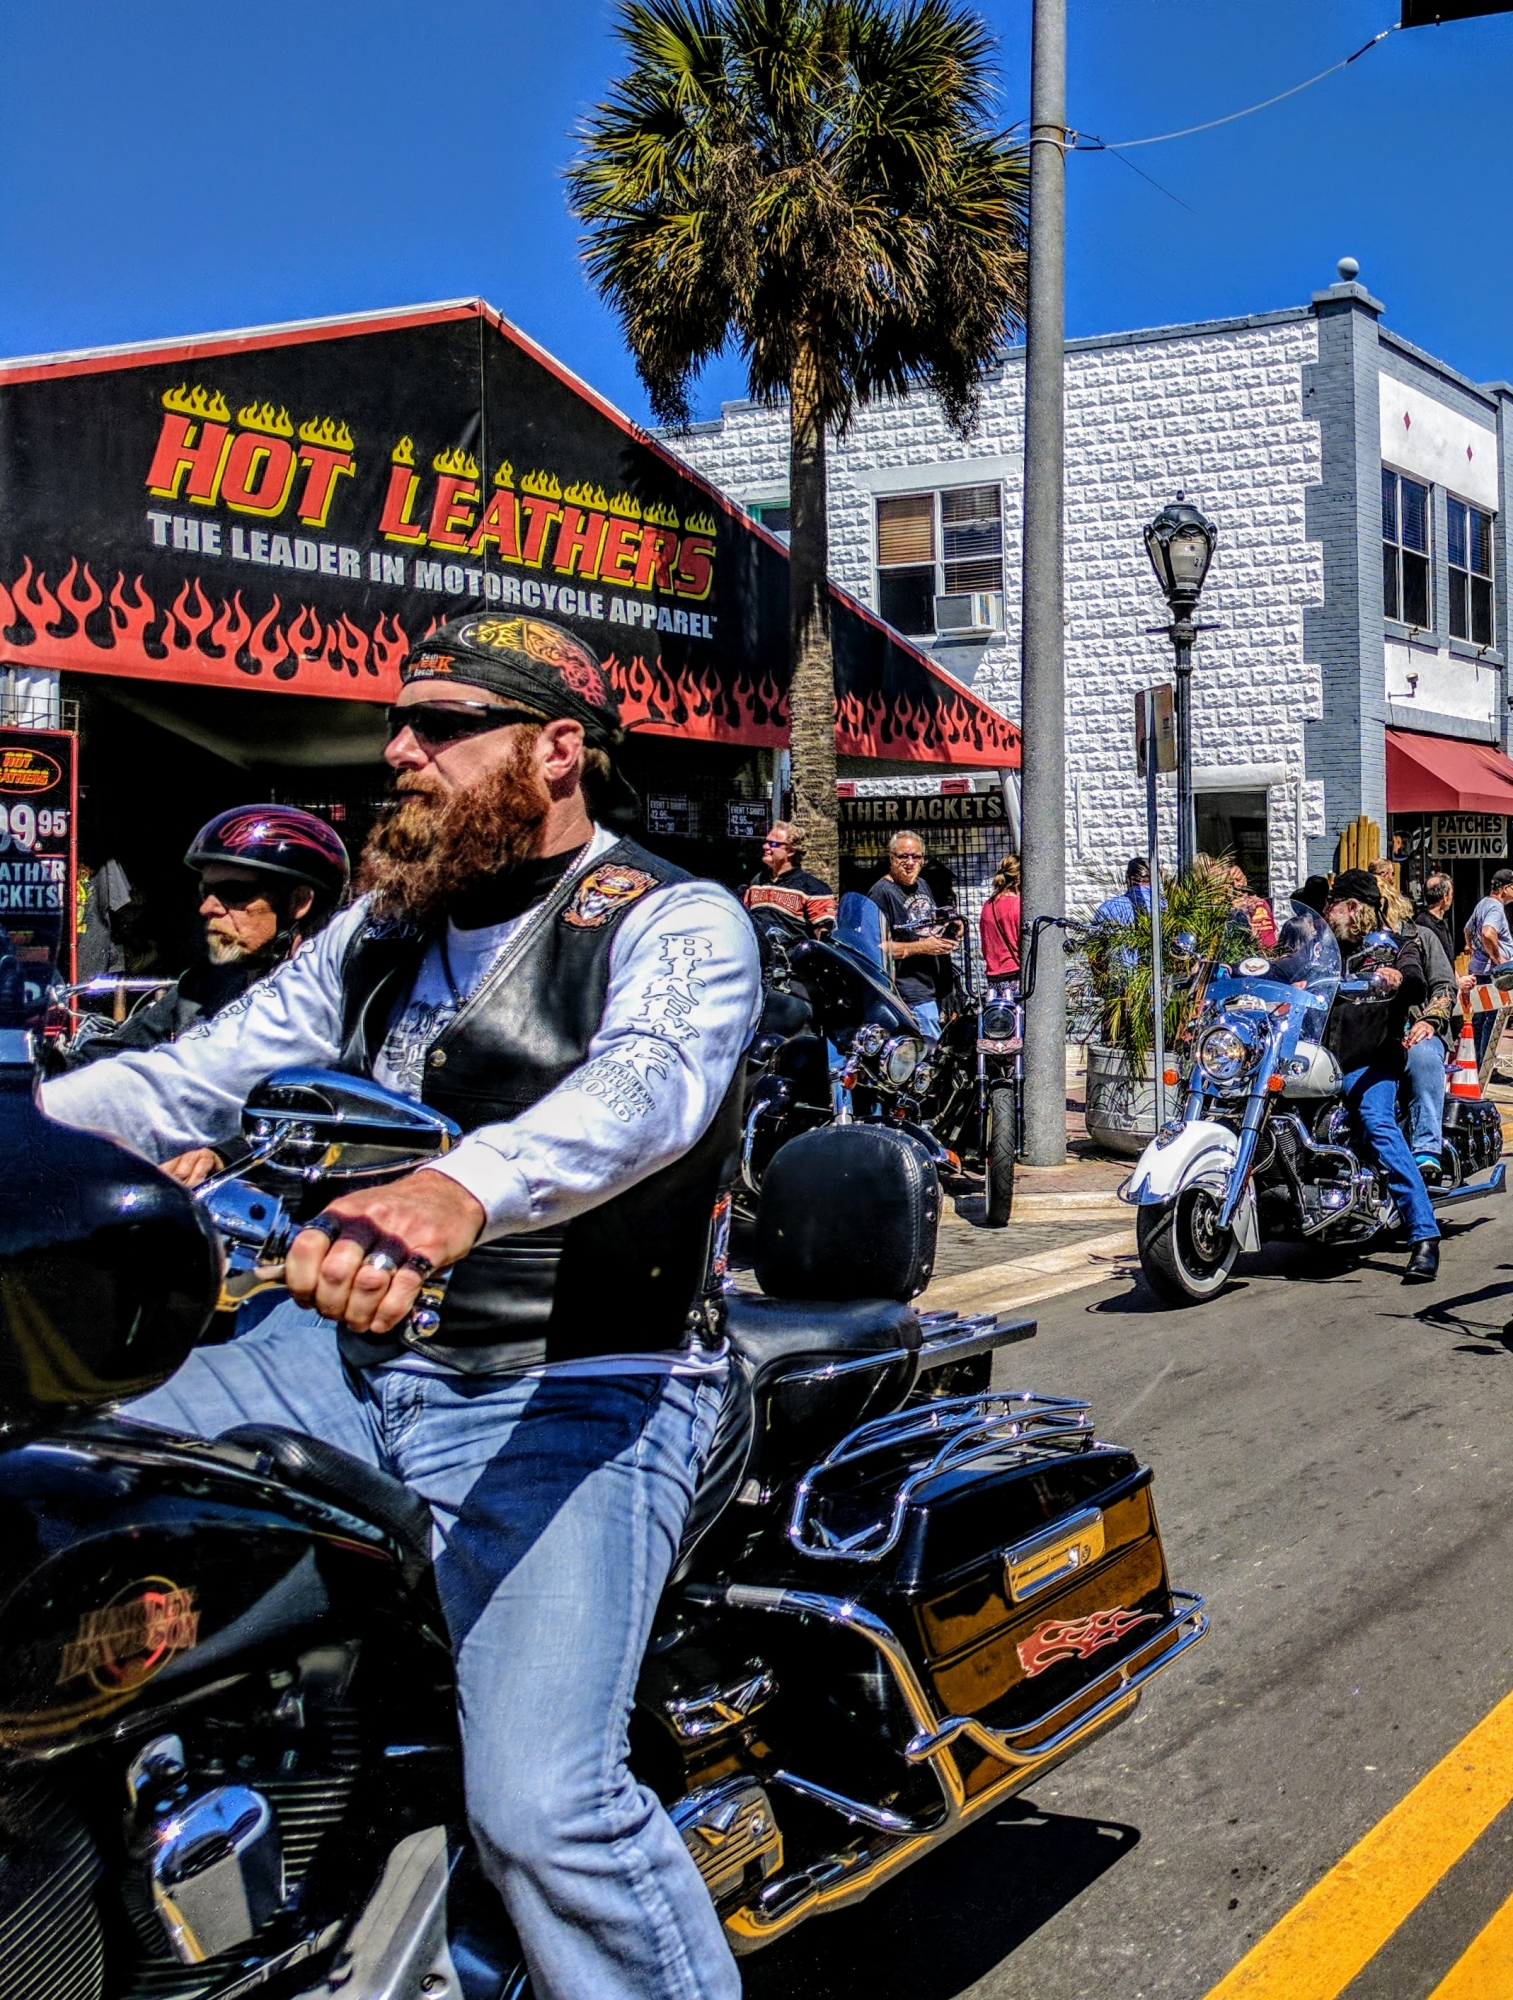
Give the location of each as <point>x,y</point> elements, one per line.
<point>256,1231</point>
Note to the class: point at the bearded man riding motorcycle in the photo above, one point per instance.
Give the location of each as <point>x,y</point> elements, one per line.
<point>580,1008</point>
<point>1366,1037</point>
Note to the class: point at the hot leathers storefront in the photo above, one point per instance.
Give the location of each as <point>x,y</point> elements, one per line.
<point>225,546</point>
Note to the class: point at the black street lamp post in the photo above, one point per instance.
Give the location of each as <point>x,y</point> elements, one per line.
<point>1180,543</point>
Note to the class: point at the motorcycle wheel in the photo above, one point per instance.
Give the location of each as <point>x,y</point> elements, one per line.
<point>1184,1254</point>
<point>998,1155</point>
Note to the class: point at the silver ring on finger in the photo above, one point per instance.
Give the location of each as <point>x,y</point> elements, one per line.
<point>380,1260</point>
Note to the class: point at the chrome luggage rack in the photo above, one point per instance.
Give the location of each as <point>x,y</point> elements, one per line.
<point>927,1439</point>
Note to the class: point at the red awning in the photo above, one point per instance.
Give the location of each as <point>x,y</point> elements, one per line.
<point>1433,774</point>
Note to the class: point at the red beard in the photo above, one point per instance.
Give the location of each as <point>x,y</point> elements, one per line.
<point>431,846</point>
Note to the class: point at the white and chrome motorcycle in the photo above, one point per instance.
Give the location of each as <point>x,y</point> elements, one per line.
<point>1262,1147</point>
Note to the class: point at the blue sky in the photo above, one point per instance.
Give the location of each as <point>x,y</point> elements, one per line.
<point>170,168</point>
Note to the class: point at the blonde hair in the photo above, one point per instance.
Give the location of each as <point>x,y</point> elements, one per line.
<point>1006,881</point>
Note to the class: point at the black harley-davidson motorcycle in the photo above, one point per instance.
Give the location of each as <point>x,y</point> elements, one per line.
<point>958,1095</point>
<point>836,1043</point>
<point>228,1751</point>
<point>1262,1147</point>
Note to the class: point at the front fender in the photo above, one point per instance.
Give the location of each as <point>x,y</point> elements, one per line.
<point>1201,1152</point>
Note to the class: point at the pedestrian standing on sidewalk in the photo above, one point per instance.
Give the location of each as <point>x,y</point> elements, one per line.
<point>781,884</point>
<point>1136,898</point>
<point>998,928</point>
<point>1397,907</point>
<point>1429,1041</point>
<point>1491,946</point>
<point>1439,900</point>
<point>914,937</point>
<point>1253,908</point>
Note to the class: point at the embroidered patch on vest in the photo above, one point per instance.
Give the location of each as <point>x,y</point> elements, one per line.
<point>602,892</point>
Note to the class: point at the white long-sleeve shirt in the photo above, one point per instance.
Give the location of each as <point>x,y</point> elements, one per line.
<point>684,997</point>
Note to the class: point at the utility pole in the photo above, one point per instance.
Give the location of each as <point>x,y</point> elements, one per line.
<point>1042,700</point>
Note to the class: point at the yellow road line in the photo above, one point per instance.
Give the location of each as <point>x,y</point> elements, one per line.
<point>1344,1920</point>
<point>1485,1969</point>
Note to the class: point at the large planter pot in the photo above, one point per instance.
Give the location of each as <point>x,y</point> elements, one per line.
<point>1121,1105</point>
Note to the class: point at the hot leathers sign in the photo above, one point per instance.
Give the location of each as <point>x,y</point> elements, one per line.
<point>295,508</point>
<point>37,847</point>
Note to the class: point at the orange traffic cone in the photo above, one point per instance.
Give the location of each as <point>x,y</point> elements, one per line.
<point>1464,1080</point>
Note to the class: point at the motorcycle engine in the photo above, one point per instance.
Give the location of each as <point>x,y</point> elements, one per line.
<point>228,1818</point>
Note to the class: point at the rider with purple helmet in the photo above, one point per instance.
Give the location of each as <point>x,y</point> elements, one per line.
<point>270,876</point>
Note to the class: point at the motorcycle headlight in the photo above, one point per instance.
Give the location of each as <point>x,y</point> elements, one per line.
<point>901,1058</point>
<point>1224,1054</point>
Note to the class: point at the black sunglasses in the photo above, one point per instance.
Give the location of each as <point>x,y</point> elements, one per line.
<point>236,892</point>
<point>436,725</point>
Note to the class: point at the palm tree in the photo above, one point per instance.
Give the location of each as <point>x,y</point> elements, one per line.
<point>816,182</point>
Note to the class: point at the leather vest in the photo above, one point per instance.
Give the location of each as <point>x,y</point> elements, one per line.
<point>622,1277</point>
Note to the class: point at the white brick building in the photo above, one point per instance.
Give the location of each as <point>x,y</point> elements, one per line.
<point>1273,425</point>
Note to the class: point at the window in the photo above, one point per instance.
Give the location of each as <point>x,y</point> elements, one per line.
<point>1405,550</point>
<point>776,516</point>
<point>1469,534</point>
<point>936,544</point>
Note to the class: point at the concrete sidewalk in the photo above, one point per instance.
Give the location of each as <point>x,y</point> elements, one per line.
<point>1068,1228</point>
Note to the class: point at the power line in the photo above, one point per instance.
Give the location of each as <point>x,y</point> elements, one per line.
<point>1087,142</point>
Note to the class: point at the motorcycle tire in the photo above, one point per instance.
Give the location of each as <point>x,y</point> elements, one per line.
<point>999,1147</point>
<point>1185,1257</point>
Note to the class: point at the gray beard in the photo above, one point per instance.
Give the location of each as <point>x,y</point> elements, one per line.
<point>227,951</point>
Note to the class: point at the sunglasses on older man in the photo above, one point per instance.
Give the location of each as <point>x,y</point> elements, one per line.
<point>436,725</point>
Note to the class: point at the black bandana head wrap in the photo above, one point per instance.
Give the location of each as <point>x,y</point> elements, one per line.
<point>525,660</point>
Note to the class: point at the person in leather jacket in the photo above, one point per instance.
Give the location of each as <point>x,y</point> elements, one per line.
<point>1365,1034</point>
<point>580,1007</point>
<point>269,877</point>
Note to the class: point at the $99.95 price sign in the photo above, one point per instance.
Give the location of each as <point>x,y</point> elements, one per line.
<point>37,844</point>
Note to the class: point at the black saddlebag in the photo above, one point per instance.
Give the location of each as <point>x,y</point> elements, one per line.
<point>1016,1557</point>
<point>1473,1127</point>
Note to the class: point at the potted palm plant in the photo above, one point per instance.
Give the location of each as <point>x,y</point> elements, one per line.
<point>1197,910</point>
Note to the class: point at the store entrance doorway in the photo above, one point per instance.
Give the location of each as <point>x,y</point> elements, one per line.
<point>1233,824</point>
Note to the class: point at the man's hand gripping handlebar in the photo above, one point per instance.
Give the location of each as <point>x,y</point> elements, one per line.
<point>367,1257</point>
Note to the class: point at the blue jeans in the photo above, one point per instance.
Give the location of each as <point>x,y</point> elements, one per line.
<point>1481,1034</point>
<point>1425,1063</point>
<point>1371,1096</point>
<point>927,1013</point>
<point>558,1503</point>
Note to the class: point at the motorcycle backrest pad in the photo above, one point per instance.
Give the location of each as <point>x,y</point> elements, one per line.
<point>847,1212</point>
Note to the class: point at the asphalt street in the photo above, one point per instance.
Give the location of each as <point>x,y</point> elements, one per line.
<point>1334,1472</point>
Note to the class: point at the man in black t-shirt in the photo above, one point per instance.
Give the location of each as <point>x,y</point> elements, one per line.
<point>911,912</point>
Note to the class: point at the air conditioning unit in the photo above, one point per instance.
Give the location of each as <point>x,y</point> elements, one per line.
<point>969,614</point>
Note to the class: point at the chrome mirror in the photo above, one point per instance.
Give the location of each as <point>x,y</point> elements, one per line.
<point>325,1124</point>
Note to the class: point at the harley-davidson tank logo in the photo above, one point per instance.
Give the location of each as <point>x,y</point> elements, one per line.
<point>602,892</point>
<point>1078,1638</point>
<point>133,1637</point>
